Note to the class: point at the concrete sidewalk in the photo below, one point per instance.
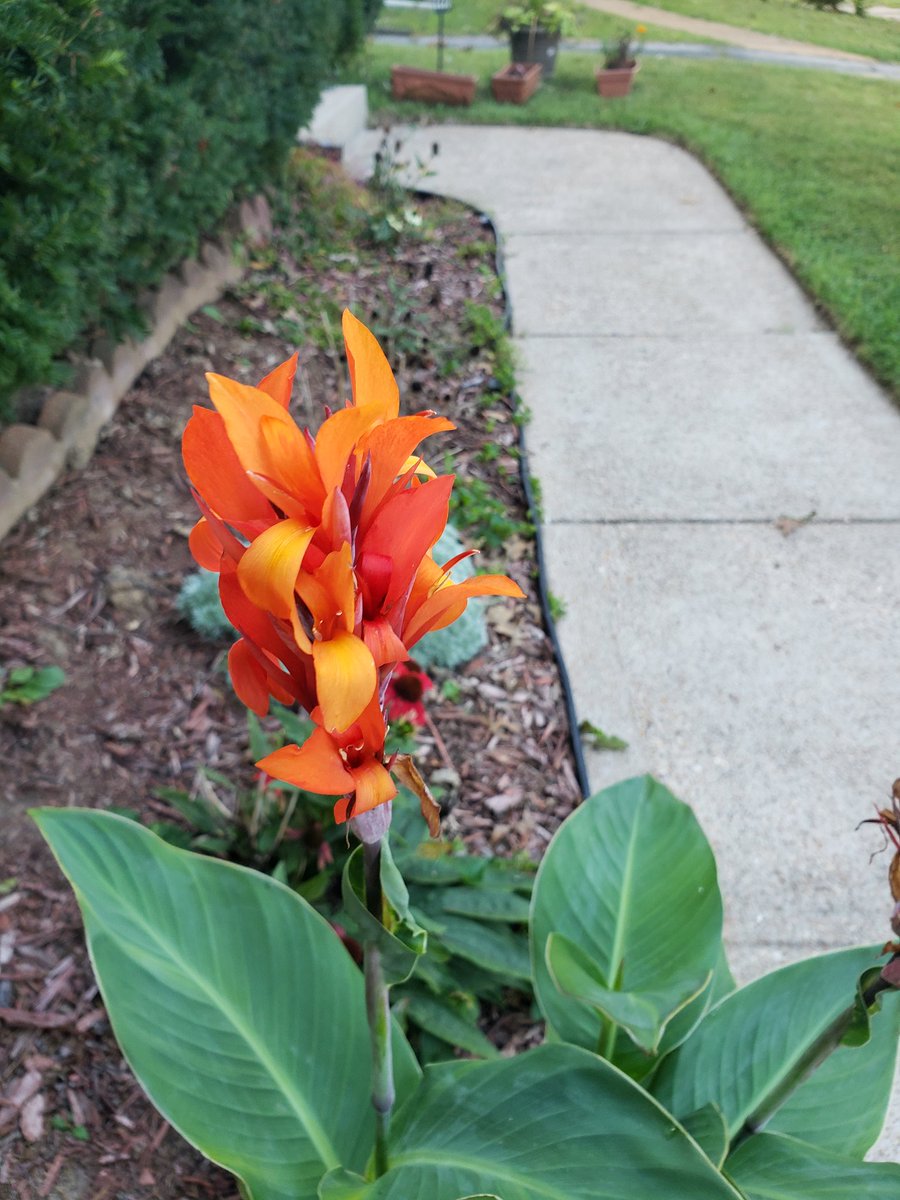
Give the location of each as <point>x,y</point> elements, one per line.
<point>686,399</point>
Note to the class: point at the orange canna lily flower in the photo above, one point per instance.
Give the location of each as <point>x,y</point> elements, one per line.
<point>323,546</point>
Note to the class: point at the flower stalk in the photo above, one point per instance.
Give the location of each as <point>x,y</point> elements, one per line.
<point>813,1057</point>
<point>378,1011</point>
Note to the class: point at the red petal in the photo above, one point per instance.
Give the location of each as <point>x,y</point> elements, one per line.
<point>205,546</point>
<point>406,527</point>
<point>248,678</point>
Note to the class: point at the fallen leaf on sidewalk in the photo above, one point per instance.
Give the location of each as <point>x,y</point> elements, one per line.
<point>600,740</point>
<point>789,525</point>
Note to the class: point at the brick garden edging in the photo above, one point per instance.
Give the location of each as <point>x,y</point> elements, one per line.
<point>32,457</point>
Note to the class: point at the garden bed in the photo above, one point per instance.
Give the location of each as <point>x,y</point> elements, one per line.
<point>89,582</point>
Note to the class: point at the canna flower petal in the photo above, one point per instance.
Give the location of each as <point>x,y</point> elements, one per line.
<point>405,528</point>
<point>269,567</point>
<point>316,766</point>
<point>346,679</point>
<point>248,678</point>
<point>279,383</point>
<point>266,440</point>
<point>216,472</point>
<point>373,785</point>
<point>205,546</point>
<point>337,438</point>
<point>447,603</point>
<point>383,642</point>
<point>390,446</point>
<point>371,377</point>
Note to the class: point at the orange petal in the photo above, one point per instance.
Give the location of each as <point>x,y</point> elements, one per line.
<point>446,604</point>
<point>374,786</point>
<point>279,383</point>
<point>266,440</point>
<point>381,639</point>
<point>248,678</point>
<point>216,472</point>
<point>406,527</point>
<point>316,766</point>
<point>391,446</point>
<point>337,438</point>
<point>345,679</point>
<point>205,546</point>
<point>269,567</point>
<point>371,377</point>
<point>329,593</point>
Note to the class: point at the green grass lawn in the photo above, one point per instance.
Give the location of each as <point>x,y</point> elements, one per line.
<point>786,18</point>
<point>813,159</point>
<point>801,22</point>
<point>475,16</point>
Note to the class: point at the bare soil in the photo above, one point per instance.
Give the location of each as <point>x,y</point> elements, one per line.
<point>89,581</point>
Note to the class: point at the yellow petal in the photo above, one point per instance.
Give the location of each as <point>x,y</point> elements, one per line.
<point>345,679</point>
<point>269,567</point>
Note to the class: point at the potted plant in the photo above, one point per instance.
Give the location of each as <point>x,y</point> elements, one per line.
<point>516,82</point>
<point>535,28</point>
<point>437,87</point>
<point>620,64</point>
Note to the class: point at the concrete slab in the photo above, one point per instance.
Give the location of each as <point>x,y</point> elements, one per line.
<point>632,284</point>
<point>741,666</point>
<point>736,427</point>
<point>342,112</point>
<point>624,182</point>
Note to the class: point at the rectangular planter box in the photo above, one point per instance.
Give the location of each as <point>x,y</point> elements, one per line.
<point>616,81</point>
<point>516,82</point>
<point>437,87</point>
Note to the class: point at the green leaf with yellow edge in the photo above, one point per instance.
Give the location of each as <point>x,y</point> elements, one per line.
<point>236,1005</point>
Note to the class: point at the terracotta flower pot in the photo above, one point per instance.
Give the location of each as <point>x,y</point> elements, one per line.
<point>437,87</point>
<point>516,82</point>
<point>616,81</point>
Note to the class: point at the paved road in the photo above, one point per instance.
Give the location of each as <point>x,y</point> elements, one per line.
<point>688,408</point>
<point>816,58</point>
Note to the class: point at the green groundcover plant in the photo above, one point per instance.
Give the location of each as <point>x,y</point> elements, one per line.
<point>260,1039</point>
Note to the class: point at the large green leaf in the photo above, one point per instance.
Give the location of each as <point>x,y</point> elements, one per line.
<point>442,1020</point>
<point>843,1105</point>
<point>629,878</point>
<point>556,1123</point>
<point>644,1015</point>
<point>770,1166</point>
<point>235,1003</point>
<point>748,1044</point>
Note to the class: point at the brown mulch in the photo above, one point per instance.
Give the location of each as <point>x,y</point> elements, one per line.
<point>88,581</point>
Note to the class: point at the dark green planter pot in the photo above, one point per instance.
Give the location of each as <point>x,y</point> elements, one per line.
<point>538,47</point>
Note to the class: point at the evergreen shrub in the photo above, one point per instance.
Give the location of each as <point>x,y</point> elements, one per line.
<point>127,131</point>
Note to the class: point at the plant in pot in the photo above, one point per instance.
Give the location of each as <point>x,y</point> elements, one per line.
<point>535,28</point>
<point>620,64</point>
<point>436,87</point>
<point>516,82</point>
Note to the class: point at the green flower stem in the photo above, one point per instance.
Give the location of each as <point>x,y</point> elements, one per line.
<point>819,1050</point>
<point>378,1011</point>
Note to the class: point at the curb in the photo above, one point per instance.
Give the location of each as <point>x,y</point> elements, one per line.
<point>32,457</point>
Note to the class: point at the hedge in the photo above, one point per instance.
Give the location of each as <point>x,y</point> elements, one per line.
<point>128,128</point>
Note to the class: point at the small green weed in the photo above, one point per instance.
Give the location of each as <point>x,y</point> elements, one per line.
<point>27,685</point>
<point>557,607</point>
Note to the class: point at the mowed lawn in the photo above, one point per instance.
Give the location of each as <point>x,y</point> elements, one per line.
<point>872,36</point>
<point>812,158</point>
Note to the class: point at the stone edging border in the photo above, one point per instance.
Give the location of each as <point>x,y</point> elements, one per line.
<point>32,457</point>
